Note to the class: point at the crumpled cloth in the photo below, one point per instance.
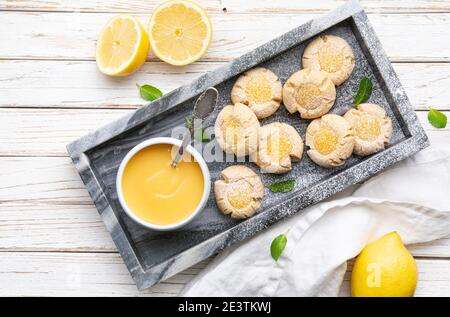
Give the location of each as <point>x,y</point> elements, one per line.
<point>412,198</point>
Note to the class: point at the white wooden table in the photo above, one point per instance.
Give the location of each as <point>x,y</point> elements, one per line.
<point>52,241</point>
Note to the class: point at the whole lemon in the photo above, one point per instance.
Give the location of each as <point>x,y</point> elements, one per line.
<point>384,268</point>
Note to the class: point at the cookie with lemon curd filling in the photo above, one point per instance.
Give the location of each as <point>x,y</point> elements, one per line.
<point>259,89</point>
<point>330,140</point>
<point>310,92</point>
<point>330,54</point>
<point>236,130</point>
<point>240,192</point>
<point>279,144</point>
<point>371,126</point>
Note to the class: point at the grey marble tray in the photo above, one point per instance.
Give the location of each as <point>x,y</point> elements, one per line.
<point>152,256</point>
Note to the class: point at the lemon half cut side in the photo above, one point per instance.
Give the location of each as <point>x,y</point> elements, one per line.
<point>122,47</point>
<point>180,32</point>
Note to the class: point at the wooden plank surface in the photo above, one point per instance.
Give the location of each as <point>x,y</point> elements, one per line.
<point>247,6</point>
<point>79,84</point>
<point>90,274</point>
<point>26,137</point>
<point>77,274</point>
<point>61,227</point>
<point>21,134</point>
<point>72,36</point>
<point>40,180</point>
<point>45,207</point>
<point>52,240</point>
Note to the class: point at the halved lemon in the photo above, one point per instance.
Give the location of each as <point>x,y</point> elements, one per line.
<point>122,46</point>
<point>180,32</point>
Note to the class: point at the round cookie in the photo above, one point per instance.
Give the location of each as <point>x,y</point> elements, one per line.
<point>330,54</point>
<point>330,140</point>
<point>259,89</point>
<point>371,126</point>
<point>236,130</point>
<point>310,92</point>
<point>279,143</point>
<point>240,192</point>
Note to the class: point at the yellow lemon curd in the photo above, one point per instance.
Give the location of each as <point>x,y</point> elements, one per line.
<point>330,60</point>
<point>368,128</point>
<point>258,90</point>
<point>279,146</point>
<point>240,196</point>
<point>308,96</point>
<point>325,141</point>
<point>158,193</point>
<point>232,129</point>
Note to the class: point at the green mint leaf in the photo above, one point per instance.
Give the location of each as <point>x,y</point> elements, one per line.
<point>283,186</point>
<point>437,119</point>
<point>201,136</point>
<point>149,92</point>
<point>277,246</point>
<point>188,122</point>
<point>364,91</point>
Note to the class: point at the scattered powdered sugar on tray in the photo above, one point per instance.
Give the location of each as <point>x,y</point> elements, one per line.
<point>152,256</point>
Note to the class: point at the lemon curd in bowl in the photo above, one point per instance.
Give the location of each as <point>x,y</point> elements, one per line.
<point>157,195</point>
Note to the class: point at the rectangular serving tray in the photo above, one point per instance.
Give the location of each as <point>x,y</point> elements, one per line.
<point>154,256</point>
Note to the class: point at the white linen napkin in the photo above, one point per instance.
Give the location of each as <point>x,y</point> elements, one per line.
<point>412,198</point>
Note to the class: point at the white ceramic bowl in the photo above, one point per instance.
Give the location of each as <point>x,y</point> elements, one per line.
<point>206,179</point>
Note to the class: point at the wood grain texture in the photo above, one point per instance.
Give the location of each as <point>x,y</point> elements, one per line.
<point>44,206</point>
<point>79,83</point>
<point>88,274</point>
<point>21,134</point>
<point>26,135</point>
<point>248,6</point>
<point>77,274</point>
<point>52,240</point>
<point>40,180</point>
<point>47,35</point>
<point>277,7</point>
<point>68,84</point>
<point>52,227</point>
<point>44,227</point>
